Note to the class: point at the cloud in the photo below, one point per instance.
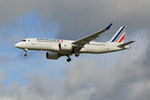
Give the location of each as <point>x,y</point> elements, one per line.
<point>4,59</point>
<point>140,91</point>
<point>127,79</point>
<point>2,75</point>
<point>80,17</point>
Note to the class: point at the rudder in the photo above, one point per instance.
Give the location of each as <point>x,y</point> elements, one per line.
<point>119,35</point>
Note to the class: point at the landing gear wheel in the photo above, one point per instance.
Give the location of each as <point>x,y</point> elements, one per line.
<point>69,59</point>
<point>25,54</point>
<point>77,55</point>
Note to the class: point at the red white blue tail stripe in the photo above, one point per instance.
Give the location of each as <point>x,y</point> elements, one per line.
<point>121,39</point>
<point>119,36</point>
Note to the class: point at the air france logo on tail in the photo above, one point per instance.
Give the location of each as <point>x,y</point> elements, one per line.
<point>121,39</point>
<point>119,36</point>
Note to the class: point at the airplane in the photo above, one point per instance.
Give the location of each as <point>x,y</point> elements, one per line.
<point>57,48</point>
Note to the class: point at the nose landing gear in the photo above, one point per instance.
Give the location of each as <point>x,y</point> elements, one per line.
<point>69,59</point>
<point>25,54</point>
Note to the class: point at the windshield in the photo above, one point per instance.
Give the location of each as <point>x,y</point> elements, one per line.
<point>23,40</point>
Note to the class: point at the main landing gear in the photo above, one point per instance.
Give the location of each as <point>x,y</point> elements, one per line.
<point>25,54</point>
<point>69,59</point>
<point>77,55</point>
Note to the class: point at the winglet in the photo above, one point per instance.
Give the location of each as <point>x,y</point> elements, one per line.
<point>108,27</point>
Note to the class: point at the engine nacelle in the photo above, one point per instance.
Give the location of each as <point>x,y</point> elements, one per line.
<point>52,55</point>
<point>65,47</point>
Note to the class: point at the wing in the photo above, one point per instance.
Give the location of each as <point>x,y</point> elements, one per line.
<point>77,45</point>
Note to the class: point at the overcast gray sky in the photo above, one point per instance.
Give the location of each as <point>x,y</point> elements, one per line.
<point>118,76</point>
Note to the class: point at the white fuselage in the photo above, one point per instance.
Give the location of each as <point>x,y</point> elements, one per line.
<point>66,46</point>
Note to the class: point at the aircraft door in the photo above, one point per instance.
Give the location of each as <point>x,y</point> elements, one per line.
<point>32,41</point>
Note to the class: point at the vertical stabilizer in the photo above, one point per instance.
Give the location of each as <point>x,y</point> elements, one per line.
<point>119,35</point>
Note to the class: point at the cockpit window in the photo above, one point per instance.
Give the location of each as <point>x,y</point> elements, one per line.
<point>23,40</point>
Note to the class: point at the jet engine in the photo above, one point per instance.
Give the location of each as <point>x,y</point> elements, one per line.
<point>52,55</point>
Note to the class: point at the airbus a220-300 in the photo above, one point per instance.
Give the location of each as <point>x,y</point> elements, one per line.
<point>58,48</point>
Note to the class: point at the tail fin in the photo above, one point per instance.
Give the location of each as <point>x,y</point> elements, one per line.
<point>119,36</point>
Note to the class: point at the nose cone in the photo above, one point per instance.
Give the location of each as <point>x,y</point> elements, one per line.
<point>17,45</point>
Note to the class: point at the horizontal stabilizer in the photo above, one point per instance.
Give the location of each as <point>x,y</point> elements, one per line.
<point>127,43</point>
